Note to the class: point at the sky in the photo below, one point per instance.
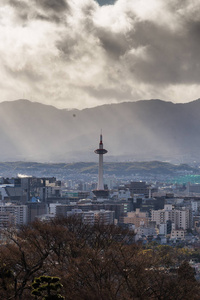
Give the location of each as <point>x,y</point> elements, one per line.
<point>85,53</point>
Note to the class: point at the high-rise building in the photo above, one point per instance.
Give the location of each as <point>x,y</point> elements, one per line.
<point>181,218</point>
<point>139,187</point>
<point>19,213</point>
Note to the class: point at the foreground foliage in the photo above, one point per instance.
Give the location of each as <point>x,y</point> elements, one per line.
<point>47,287</point>
<point>99,262</point>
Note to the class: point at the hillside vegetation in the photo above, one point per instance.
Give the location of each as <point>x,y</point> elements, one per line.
<point>118,169</point>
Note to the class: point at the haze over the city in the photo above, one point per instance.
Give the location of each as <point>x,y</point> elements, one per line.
<point>78,54</point>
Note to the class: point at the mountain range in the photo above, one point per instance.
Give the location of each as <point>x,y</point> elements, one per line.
<point>132,131</point>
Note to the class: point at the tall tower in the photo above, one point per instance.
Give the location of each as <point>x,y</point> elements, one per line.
<point>100,192</point>
<point>101,152</point>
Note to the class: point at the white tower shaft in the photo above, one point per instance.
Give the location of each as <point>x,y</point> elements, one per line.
<point>100,185</point>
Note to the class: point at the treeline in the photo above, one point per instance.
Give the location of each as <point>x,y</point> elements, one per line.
<point>90,263</point>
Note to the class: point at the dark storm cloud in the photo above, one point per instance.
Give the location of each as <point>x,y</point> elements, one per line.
<point>22,9</point>
<point>50,18</point>
<point>88,9</point>
<point>193,33</point>
<point>170,57</point>
<point>55,5</point>
<point>66,46</point>
<point>45,10</point>
<point>115,44</point>
<point>28,74</point>
<point>18,4</point>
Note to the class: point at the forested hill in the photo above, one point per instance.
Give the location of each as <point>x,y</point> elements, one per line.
<point>120,169</point>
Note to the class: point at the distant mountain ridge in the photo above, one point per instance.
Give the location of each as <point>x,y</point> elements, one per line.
<point>143,130</point>
<point>74,170</point>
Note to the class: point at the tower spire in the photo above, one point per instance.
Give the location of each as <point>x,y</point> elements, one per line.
<point>101,138</point>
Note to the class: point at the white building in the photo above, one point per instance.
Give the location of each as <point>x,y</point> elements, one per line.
<point>52,208</point>
<point>19,212</point>
<point>180,218</point>
<point>6,219</point>
<point>98,216</point>
<point>145,231</point>
<point>178,234</point>
<point>49,191</point>
<point>194,205</point>
<point>93,217</point>
<point>163,228</point>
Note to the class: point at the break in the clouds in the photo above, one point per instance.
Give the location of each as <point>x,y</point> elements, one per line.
<point>72,53</point>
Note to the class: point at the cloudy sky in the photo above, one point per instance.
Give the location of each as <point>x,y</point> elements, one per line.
<point>83,53</point>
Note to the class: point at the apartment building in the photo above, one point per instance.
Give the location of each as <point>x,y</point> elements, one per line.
<point>181,218</point>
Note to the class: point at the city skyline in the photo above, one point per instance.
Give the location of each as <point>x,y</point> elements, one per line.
<point>78,54</point>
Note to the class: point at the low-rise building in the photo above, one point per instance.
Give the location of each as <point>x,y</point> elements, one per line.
<point>178,234</point>
<point>137,218</point>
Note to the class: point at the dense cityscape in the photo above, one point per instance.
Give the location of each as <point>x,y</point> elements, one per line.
<point>159,212</point>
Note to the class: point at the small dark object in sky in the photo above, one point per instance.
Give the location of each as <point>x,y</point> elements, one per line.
<point>74,115</point>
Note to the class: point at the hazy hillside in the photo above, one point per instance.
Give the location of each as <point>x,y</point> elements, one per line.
<point>143,130</point>
<point>65,170</point>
